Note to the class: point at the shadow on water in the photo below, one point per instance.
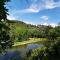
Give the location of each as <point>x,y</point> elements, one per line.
<point>18,52</point>
<point>11,56</point>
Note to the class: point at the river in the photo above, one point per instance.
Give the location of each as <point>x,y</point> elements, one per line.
<point>19,52</point>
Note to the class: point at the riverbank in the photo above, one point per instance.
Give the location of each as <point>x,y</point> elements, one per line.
<point>31,40</point>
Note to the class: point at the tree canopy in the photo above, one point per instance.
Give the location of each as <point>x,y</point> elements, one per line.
<point>3,9</point>
<point>5,41</point>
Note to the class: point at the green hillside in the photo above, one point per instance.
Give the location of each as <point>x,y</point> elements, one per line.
<point>19,28</point>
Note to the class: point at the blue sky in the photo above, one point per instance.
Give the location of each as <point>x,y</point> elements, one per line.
<point>35,11</point>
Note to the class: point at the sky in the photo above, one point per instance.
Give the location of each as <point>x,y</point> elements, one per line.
<point>46,12</point>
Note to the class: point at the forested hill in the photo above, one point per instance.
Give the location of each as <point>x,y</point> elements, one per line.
<point>21,31</point>
<point>21,24</point>
<point>19,28</point>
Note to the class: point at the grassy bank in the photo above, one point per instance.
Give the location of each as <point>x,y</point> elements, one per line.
<point>31,40</point>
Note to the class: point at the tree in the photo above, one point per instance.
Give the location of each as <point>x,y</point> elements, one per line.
<point>46,53</point>
<point>3,10</point>
<point>5,41</point>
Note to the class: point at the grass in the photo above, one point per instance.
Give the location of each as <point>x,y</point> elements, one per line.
<point>31,40</point>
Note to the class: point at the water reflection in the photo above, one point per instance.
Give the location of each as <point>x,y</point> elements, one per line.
<point>19,51</point>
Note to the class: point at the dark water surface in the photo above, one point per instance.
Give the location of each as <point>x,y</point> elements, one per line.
<point>19,51</point>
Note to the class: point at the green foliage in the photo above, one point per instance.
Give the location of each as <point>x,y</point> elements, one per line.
<point>52,34</point>
<point>23,36</point>
<point>50,52</point>
<point>46,53</point>
<point>5,41</point>
<point>3,10</point>
<point>21,31</point>
<point>18,30</point>
<point>37,54</point>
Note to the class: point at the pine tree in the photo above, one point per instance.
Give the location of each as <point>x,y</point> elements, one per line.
<point>5,41</point>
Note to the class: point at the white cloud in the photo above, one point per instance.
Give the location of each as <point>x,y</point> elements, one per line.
<point>29,10</point>
<point>44,17</point>
<point>45,24</point>
<point>37,6</point>
<point>42,5</point>
<point>50,4</point>
<point>52,24</point>
<point>11,17</point>
<point>28,22</point>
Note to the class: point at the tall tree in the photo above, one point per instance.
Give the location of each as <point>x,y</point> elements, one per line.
<point>3,10</point>
<point>5,41</point>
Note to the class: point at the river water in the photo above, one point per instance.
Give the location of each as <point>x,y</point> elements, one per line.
<point>19,52</point>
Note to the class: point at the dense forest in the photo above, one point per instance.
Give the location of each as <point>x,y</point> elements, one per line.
<point>22,31</point>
